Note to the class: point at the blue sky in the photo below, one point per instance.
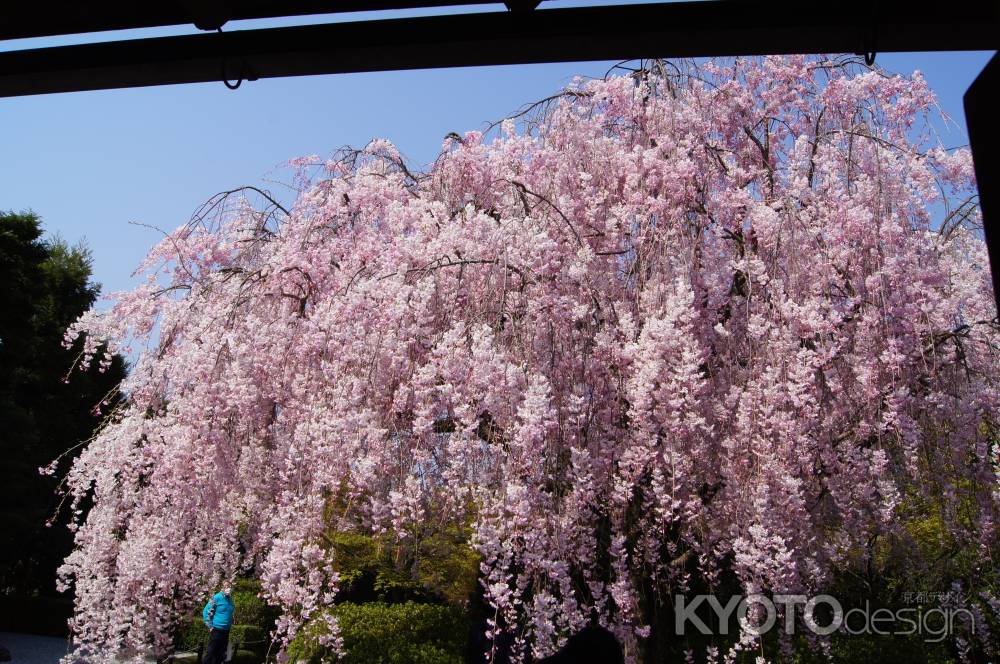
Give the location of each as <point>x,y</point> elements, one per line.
<point>90,163</point>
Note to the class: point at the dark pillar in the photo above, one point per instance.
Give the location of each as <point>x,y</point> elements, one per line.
<point>982,114</point>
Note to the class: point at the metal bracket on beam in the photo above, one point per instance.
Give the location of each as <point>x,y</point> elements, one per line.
<point>209,15</point>
<point>522,5</point>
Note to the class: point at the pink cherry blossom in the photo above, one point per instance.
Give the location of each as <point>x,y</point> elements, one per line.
<point>669,323</point>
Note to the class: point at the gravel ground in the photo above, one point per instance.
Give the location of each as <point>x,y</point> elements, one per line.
<point>31,649</point>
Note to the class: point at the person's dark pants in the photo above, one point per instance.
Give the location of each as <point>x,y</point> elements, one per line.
<point>218,641</point>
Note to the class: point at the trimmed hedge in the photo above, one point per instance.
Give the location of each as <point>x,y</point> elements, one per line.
<point>251,635</point>
<point>250,609</point>
<point>191,635</point>
<point>246,657</point>
<point>194,634</point>
<point>379,633</point>
<point>252,623</point>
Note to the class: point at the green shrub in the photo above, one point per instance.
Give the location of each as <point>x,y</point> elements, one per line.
<point>253,620</point>
<point>248,633</point>
<point>379,633</point>
<point>250,639</point>
<point>895,649</point>
<point>355,554</point>
<point>437,567</point>
<point>247,657</point>
<point>191,634</point>
<point>246,585</point>
<point>250,609</point>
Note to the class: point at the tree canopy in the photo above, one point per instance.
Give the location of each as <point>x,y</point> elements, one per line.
<point>687,327</point>
<point>45,410</point>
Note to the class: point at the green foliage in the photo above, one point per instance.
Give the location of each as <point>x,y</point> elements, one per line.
<point>445,562</point>
<point>377,569</point>
<point>191,635</point>
<point>246,585</point>
<point>242,656</point>
<point>251,636</point>
<point>44,287</point>
<point>380,633</point>
<point>863,648</point>
<point>925,557</point>
<point>858,648</point>
<point>253,621</point>
<point>252,610</point>
<point>431,562</point>
<point>356,556</point>
<point>403,597</point>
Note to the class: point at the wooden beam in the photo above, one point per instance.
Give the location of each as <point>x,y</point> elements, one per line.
<point>20,20</point>
<point>495,38</point>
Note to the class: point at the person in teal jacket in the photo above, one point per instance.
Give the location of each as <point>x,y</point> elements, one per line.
<point>218,617</point>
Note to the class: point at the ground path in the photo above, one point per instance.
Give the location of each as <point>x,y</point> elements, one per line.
<point>33,649</point>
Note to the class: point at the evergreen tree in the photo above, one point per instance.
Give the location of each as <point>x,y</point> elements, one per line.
<point>44,286</point>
